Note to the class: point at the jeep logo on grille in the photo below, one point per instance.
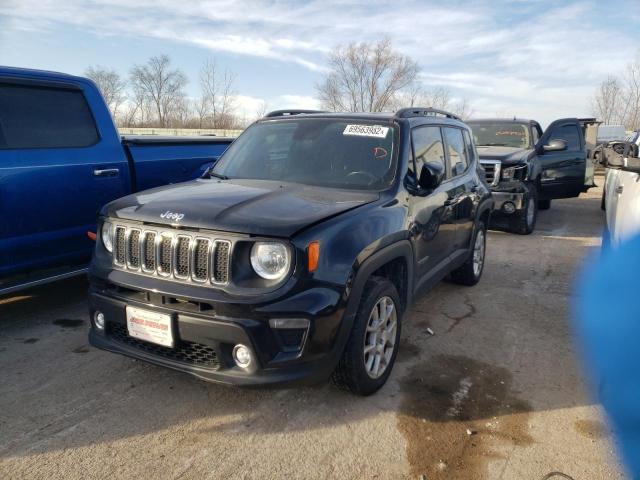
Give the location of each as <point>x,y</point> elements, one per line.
<point>169,215</point>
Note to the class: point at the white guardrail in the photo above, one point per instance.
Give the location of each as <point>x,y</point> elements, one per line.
<point>181,132</point>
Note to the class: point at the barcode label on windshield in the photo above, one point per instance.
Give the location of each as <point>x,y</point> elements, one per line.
<point>366,131</point>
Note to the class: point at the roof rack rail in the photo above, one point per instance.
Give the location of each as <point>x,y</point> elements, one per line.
<point>424,112</point>
<point>287,113</point>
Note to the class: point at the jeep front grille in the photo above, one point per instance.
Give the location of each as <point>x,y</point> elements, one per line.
<point>172,254</point>
<point>492,169</point>
<point>149,262</point>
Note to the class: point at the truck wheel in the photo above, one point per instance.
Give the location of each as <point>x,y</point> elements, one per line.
<point>471,271</point>
<point>525,222</point>
<point>369,355</point>
<point>544,204</point>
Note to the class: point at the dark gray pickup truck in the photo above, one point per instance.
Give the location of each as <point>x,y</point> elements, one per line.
<point>527,168</point>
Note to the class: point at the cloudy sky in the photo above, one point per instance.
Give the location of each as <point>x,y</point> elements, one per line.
<point>531,58</point>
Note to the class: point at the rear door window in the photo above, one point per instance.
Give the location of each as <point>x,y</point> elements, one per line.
<point>455,145</point>
<point>428,147</point>
<point>42,117</point>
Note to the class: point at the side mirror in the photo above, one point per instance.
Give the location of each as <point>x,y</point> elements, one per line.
<point>555,145</point>
<point>431,176</point>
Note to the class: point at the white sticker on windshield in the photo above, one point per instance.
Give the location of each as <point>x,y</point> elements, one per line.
<point>366,131</point>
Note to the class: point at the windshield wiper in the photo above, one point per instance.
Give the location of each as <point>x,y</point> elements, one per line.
<point>217,175</point>
<point>493,145</point>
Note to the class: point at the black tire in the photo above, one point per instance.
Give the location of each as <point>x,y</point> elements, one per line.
<point>351,372</point>
<point>467,274</point>
<point>544,204</point>
<point>522,224</point>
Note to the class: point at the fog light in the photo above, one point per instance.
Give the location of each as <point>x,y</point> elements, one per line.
<point>508,207</point>
<point>242,356</point>
<point>98,319</point>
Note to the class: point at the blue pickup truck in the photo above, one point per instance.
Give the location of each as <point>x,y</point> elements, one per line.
<point>61,160</point>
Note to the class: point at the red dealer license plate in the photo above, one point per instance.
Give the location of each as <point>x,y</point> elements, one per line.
<point>150,326</point>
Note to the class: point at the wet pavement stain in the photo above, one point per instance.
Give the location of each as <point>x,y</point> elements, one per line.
<point>456,319</point>
<point>407,351</point>
<point>30,340</point>
<point>68,322</point>
<point>443,398</point>
<point>82,349</point>
<point>591,428</point>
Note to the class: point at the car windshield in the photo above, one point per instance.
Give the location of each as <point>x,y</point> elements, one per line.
<point>352,154</point>
<point>501,134</point>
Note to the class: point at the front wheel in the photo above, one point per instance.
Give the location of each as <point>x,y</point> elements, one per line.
<point>544,204</point>
<point>525,222</point>
<point>471,271</point>
<point>371,351</point>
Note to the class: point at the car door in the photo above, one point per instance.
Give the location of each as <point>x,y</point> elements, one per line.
<point>55,174</point>
<point>562,171</point>
<point>433,230</point>
<point>463,190</point>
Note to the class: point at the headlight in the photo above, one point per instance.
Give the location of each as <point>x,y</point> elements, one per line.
<point>270,260</point>
<point>107,236</point>
<point>508,173</point>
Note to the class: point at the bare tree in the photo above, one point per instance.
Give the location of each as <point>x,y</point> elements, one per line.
<point>631,95</point>
<point>365,77</point>
<point>111,85</point>
<point>607,101</point>
<point>262,109</point>
<point>201,108</point>
<point>463,109</point>
<point>218,93</point>
<point>160,84</point>
<point>181,114</point>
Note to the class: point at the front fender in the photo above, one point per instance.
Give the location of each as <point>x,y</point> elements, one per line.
<point>347,240</point>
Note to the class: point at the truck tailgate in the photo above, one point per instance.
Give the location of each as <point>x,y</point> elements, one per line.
<point>157,160</point>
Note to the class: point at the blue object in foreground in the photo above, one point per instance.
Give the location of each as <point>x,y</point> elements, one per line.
<point>608,324</point>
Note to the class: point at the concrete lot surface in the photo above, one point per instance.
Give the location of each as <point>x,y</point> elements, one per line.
<point>502,363</point>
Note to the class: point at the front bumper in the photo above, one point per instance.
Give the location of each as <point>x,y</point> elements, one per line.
<point>205,338</point>
<point>502,198</point>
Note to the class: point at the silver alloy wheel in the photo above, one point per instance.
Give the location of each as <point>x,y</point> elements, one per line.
<point>380,337</point>
<point>478,253</point>
<point>531,211</point>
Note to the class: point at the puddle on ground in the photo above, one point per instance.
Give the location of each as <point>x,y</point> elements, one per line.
<point>68,322</point>
<point>591,428</point>
<point>446,396</point>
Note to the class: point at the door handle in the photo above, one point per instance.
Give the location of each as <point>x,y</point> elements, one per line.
<point>107,172</point>
<point>619,189</point>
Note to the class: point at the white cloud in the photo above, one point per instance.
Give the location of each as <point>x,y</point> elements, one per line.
<point>534,57</point>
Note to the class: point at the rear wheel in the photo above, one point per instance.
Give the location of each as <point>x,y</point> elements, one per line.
<point>471,271</point>
<point>525,222</point>
<point>371,351</point>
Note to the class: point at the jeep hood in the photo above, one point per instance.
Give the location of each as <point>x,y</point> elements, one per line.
<point>256,207</point>
<point>507,155</point>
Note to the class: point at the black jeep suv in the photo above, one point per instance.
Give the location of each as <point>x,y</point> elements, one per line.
<point>297,254</point>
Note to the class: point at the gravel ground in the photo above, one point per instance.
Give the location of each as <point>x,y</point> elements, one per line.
<point>502,364</point>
